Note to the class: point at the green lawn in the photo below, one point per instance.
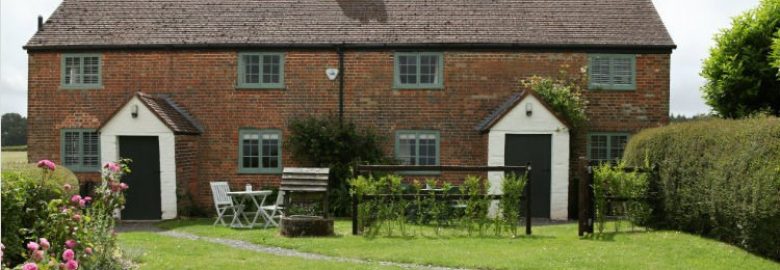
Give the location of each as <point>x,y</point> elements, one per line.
<point>556,247</point>
<point>14,157</point>
<point>154,251</point>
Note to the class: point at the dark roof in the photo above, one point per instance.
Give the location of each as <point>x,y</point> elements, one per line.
<point>486,124</point>
<point>371,23</point>
<point>170,113</point>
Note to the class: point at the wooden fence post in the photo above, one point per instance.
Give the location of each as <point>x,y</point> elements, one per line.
<point>528,200</point>
<point>591,201</point>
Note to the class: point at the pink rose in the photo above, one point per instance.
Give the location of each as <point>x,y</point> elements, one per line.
<point>72,265</point>
<point>70,243</point>
<point>37,255</point>
<point>88,251</point>
<point>44,243</point>
<point>88,198</point>
<point>32,246</point>
<point>67,187</point>
<point>123,186</point>
<point>75,198</point>
<point>82,203</point>
<point>30,266</point>
<point>47,164</point>
<point>112,166</point>
<point>68,255</point>
<point>77,217</point>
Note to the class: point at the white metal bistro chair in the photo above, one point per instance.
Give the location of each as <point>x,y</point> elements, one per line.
<point>275,211</point>
<point>223,203</point>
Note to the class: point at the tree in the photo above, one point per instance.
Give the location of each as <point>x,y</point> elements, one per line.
<point>776,53</point>
<point>14,129</point>
<point>741,79</point>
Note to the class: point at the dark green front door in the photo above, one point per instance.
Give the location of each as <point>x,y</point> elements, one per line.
<point>536,149</point>
<point>143,196</point>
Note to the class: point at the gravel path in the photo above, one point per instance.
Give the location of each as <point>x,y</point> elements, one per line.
<point>294,253</point>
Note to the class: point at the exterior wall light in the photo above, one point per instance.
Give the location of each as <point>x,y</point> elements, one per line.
<point>529,109</point>
<point>134,111</point>
<point>332,73</point>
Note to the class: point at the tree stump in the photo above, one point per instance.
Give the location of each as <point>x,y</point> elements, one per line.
<point>296,226</point>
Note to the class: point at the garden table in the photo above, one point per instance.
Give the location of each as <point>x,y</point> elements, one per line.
<point>258,199</point>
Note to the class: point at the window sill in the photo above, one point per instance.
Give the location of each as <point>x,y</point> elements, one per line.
<point>81,87</point>
<point>279,172</point>
<point>418,88</point>
<point>260,88</point>
<point>612,88</point>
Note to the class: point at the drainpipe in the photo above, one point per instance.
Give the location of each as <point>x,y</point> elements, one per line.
<point>340,50</point>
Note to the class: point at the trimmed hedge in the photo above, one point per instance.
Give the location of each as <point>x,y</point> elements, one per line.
<point>718,178</point>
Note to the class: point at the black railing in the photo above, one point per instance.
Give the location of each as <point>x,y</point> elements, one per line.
<point>519,170</point>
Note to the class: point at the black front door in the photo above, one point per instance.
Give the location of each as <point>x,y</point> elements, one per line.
<point>143,196</point>
<point>536,149</point>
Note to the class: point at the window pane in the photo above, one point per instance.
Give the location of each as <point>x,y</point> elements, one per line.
<point>250,158</point>
<point>251,68</point>
<point>407,67</point>
<point>407,149</point>
<point>72,70</point>
<point>271,68</point>
<point>599,72</point>
<point>270,151</point>
<point>428,68</point>
<point>71,142</point>
<point>598,147</point>
<point>621,71</point>
<point>427,149</point>
<point>91,156</point>
<point>617,145</point>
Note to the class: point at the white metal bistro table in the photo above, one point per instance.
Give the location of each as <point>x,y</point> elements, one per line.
<point>258,198</point>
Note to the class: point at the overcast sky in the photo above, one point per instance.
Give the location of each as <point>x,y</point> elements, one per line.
<point>691,23</point>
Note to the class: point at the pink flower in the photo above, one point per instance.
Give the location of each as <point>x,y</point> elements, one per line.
<point>75,198</point>
<point>112,166</point>
<point>67,187</point>
<point>88,198</point>
<point>30,266</point>
<point>37,255</point>
<point>44,243</point>
<point>123,186</point>
<point>82,203</point>
<point>88,250</point>
<point>77,217</point>
<point>32,246</point>
<point>47,164</point>
<point>72,265</point>
<point>68,255</point>
<point>70,243</point>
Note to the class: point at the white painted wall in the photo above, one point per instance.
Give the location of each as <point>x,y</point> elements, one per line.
<point>146,124</point>
<point>541,122</point>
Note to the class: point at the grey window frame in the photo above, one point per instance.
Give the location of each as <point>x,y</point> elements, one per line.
<point>81,85</point>
<point>609,136</point>
<point>612,85</point>
<point>439,75</point>
<point>417,133</point>
<point>242,84</point>
<point>259,169</point>
<point>80,167</point>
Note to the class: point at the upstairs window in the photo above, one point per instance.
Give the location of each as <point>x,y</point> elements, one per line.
<point>417,147</point>
<point>261,70</point>
<point>606,147</point>
<point>260,151</point>
<point>81,70</point>
<point>418,70</point>
<point>612,72</point>
<point>80,150</point>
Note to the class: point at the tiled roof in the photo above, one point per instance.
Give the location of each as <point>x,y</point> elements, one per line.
<point>175,117</point>
<point>234,23</point>
<point>486,124</point>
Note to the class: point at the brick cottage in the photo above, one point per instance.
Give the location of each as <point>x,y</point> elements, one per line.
<point>203,90</point>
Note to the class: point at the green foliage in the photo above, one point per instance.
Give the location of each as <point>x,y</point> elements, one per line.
<point>563,97</point>
<point>776,53</point>
<point>23,195</point>
<point>325,142</point>
<point>13,173</point>
<point>14,129</point>
<point>719,178</point>
<point>512,189</point>
<point>630,189</point>
<point>740,79</point>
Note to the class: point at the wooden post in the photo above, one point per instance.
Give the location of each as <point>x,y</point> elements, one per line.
<point>591,201</point>
<point>582,207</point>
<point>528,200</point>
<point>354,214</point>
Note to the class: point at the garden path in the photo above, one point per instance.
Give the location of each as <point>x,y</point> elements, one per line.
<point>294,253</point>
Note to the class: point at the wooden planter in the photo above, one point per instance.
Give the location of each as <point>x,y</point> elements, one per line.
<point>296,226</point>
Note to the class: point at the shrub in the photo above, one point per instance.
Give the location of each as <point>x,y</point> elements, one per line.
<point>630,189</point>
<point>719,178</point>
<point>13,173</point>
<point>512,189</point>
<point>326,142</point>
<point>563,97</point>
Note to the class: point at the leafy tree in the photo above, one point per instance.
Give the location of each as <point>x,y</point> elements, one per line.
<point>776,53</point>
<point>324,141</point>
<point>741,80</point>
<point>14,129</point>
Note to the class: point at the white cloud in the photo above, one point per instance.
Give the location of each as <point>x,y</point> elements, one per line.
<point>692,23</point>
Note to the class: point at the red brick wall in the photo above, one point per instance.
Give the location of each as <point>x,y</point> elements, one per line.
<point>204,82</point>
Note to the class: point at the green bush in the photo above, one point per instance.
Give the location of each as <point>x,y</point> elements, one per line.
<point>13,173</point>
<point>630,189</point>
<point>719,178</point>
<point>564,97</point>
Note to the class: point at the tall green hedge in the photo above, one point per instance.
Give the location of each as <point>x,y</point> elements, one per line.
<point>719,178</point>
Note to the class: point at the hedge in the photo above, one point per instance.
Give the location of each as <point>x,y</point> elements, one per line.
<point>718,178</point>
